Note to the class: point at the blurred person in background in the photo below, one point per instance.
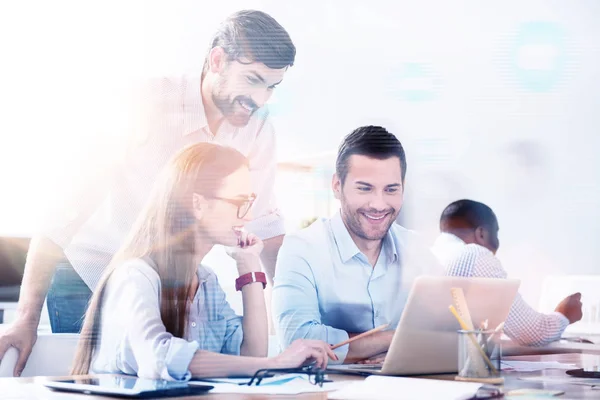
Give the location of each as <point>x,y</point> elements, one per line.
<point>467,247</point>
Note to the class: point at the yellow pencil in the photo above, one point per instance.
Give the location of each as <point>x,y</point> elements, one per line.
<point>362,335</point>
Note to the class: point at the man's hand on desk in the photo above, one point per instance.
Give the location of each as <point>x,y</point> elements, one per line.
<point>369,347</point>
<point>570,307</point>
<point>377,359</point>
<point>21,335</point>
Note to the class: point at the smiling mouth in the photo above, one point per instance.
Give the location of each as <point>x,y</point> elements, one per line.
<point>250,108</point>
<point>375,217</point>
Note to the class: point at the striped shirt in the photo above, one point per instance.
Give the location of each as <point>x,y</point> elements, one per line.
<point>524,324</point>
<point>133,339</point>
<point>91,225</point>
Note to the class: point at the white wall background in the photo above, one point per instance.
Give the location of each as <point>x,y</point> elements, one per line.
<point>495,101</point>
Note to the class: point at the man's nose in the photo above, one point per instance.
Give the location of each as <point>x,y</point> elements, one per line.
<point>261,96</point>
<point>377,201</point>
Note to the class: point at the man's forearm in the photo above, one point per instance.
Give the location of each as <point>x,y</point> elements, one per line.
<point>369,346</point>
<point>42,257</point>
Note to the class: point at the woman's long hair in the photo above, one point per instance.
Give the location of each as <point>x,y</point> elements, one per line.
<point>165,233</point>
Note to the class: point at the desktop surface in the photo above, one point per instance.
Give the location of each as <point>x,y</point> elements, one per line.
<point>592,338</point>
<point>30,388</point>
<point>510,348</point>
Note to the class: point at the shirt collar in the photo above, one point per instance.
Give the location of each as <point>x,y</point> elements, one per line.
<point>389,245</point>
<point>194,117</point>
<point>446,246</point>
<point>203,274</point>
<point>348,249</point>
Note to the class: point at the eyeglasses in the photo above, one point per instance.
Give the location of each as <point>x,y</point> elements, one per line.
<point>243,205</point>
<point>315,376</point>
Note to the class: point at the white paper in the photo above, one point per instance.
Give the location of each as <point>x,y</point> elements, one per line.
<point>282,384</point>
<point>277,379</point>
<point>393,388</point>
<point>530,366</point>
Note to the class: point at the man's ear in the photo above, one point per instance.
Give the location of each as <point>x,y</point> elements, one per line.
<point>481,236</point>
<point>198,205</point>
<point>217,60</point>
<point>336,185</point>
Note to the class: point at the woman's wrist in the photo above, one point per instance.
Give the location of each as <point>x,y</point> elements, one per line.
<point>249,278</point>
<point>249,263</point>
<point>272,363</point>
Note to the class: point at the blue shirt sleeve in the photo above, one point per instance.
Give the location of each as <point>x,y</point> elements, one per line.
<point>234,334</point>
<point>295,301</point>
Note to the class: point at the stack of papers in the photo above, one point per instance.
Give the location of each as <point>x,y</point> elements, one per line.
<point>530,366</point>
<point>393,388</point>
<point>291,384</point>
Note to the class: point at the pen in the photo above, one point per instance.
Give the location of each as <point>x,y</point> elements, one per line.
<point>362,335</point>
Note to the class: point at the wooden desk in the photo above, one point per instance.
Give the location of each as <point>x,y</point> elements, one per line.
<point>27,388</point>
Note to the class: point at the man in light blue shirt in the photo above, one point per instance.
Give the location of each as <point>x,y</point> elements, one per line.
<point>351,273</point>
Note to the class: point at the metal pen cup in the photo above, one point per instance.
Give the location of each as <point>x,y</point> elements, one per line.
<point>479,356</point>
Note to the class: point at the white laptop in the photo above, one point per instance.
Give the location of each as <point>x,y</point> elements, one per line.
<point>426,341</point>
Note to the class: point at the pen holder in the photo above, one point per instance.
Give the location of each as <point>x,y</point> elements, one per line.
<point>479,356</point>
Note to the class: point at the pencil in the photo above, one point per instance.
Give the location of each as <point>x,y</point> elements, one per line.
<point>362,335</point>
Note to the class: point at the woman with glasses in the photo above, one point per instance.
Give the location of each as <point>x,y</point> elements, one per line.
<point>157,312</point>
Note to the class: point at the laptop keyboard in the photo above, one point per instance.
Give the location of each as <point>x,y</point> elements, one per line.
<point>365,366</point>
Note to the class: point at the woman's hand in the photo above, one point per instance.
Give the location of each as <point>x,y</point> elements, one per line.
<point>247,253</point>
<point>303,352</point>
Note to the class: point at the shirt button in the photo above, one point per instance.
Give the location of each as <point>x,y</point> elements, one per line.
<point>193,324</point>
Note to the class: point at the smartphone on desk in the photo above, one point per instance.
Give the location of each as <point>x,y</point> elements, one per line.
<point>584,373</point>
<point>573,339</point>
<point>126,386</point>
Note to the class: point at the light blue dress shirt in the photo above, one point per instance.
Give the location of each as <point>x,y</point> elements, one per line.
<point>133,339</point>
<point>326,288</point>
